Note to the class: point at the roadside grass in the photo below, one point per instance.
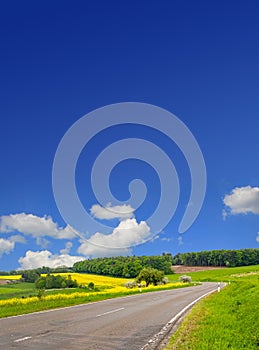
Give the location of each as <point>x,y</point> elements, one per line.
<point>105,288</point>
<point>225,320</point>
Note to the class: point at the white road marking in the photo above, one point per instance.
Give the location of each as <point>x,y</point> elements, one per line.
<point>21,339</point>
<point>175,318</point>
<point>110,312</point>
<point>188,306</point>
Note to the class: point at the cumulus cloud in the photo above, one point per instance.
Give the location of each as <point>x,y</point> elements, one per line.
<point>127,234</point>
<point>33,260</point>
<point>242,200</point>
<point>121,212</point>
<point>67,248</point>
<point>120,241</point>
<point>35,226</point>
<point>90,250</point>
<point>7,244</point>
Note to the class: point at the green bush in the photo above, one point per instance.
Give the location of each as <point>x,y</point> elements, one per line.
<point>51,281</point>
<point>91,286</point>
<point>185,279</point>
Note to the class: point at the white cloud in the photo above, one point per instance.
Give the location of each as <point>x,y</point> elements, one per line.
<point>67,248</point>
<point>7,245</point>
<point>224,214</point>
<point>95,251</point>
<point>127,234</point>
<point>120,241</point>
<point>43,242</point>
<point>180,240</point>
<point>33,260</point>
<point>17,239</point>
<point>116,212</point>
<point>35,226</point>
<point>242,200</point>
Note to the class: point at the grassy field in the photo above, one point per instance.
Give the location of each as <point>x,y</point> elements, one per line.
<point>18,290</point>
<point>232,274</point>
<point>22,297</point>
<point>225,320</point>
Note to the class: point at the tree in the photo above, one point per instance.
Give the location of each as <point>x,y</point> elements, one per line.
<point>30,276</point>
<point>91,286</point>
<point>51,281</point>
<point>150,276</point>
<point>41,283</point>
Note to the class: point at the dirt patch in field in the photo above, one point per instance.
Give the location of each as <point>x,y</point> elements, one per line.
<point>4,281</point>
<point>185,269</point>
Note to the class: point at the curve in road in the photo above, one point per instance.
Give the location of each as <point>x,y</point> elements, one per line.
<point>115,324</point>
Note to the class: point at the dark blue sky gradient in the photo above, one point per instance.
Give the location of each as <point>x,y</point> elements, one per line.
<point>198,59</point>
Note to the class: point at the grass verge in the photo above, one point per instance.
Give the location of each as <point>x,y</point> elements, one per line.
<point>225,320</point>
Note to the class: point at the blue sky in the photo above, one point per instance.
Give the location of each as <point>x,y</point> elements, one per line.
<point>62,60</point>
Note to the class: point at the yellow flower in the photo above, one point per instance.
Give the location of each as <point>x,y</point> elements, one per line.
<point>11,277</point>
<point>104,283</point>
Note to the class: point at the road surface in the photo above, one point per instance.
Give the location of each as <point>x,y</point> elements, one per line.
<point>122,323</point>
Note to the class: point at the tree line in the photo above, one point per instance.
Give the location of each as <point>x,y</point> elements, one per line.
<point>128,267</point>
<point>227,258</point>
<point>39,270</point>
<point>49,281</point>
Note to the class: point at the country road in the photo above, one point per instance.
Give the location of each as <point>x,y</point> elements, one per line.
<point>123,323</point>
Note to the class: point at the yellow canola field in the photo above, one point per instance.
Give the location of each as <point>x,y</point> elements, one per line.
<point>105,283</point>
<point>10,277</point>
<point>109,284</point>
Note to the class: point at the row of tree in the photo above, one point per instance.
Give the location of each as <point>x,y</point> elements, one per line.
<point>39,270</point>
<point>228,258</point>
<point>128,267</point>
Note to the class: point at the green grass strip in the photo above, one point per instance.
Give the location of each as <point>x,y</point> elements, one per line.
<point>225,320</point>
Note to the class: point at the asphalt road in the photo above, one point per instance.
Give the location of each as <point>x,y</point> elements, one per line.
<point>116,324</point>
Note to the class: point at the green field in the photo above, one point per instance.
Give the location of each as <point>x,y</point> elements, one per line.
<point>227,274</point>
<point>225,320</point>
<point>18,290</point>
